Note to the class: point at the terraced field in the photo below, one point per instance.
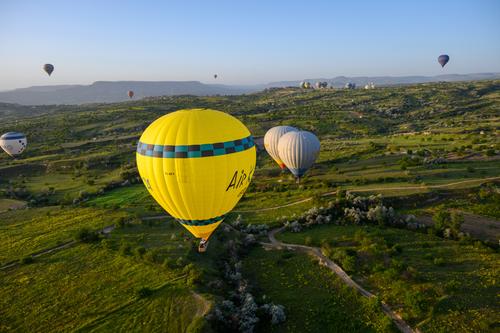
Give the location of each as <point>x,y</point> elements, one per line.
<point>424,147</point>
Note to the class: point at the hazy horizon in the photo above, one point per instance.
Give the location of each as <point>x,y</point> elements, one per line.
<point>231,84</point>
<point>244,43</point>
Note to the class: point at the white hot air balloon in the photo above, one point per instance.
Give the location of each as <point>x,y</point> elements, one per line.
<point>271,140</point>
<point>298,150</point>
<point>13,143</point>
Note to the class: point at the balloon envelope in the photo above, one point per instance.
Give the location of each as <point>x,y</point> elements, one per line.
<point>443,59</point>
<point>13,143</point>
<point>196,164</point>
<point>49,68</point>
<point>298,150</point>
<point>130,94</point>
<point>215,76</point>
<point>271,140</point>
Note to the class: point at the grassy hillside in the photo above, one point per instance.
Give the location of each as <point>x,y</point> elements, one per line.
<point>424,147</point>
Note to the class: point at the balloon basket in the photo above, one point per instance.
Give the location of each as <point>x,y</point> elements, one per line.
<point>202,247</point>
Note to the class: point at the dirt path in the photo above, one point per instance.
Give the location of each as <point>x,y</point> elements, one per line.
<point>375,189</point>
<point>273,208</point>
<point>205,305</point>
<point>325,261</point>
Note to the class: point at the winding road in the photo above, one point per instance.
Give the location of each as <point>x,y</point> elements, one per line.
<point>325,261</point>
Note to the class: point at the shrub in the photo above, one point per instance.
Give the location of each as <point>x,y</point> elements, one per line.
<point>277,313</point>
<point>144,292</point>
<point>120,222</point>
<point>438,261</point>
<point>139,251</point>
<point>441,219</point>
<point>349,264</point>
<point>180,262</point>
<point>287,254</point>
<point>397,248</point>
<point>152,256</point>
<point>168,263</point>
<point>416,302</point>
<point>125,248</point>
<point>106,243</point>
<point>86,235</point>
<point>194,275</point>
<point>27,260</point>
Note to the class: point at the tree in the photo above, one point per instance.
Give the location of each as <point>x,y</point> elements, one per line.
<point>447,223</point>
<point>144,292</point>
<point>139,251</point>
<point>457,219</point>
<point>442,219</point>
<point>86,235</point>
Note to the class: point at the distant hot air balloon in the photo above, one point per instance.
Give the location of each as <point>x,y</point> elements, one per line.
<point>130,93</point>
<point>215,76</point>
<point>443,59</point>
<point>298,150</point>
<point>49,68</point>
<point>271,140</point>
<point>370,85</point>
<point>13,143</point>
<point>197,164</point>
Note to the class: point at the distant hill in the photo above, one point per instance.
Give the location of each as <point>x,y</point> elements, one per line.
<point>116,91</point>
<point>110,92</point>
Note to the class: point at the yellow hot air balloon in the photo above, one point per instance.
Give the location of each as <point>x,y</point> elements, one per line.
<point>197,164</point>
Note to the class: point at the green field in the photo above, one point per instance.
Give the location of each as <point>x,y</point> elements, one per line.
<point>456,284</point>
<point>288,277</point>
<point>26,232</point>
<point>89,288</point>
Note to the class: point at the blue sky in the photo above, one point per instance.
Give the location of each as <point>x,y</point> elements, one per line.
<point>244,42</point>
